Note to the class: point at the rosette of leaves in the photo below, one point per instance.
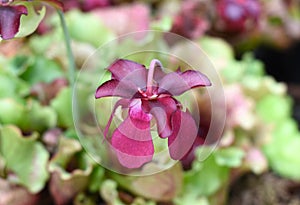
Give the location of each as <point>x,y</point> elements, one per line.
<point>25,159</point>
<point>170,184</point>
<point>72,172</point>
<point>277,135</point>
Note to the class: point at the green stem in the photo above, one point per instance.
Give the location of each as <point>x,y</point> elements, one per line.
<point>72,67</point>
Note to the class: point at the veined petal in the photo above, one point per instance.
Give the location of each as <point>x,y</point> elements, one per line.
<point>126,70</point>
<point>162,110</point>
<point>132,139</point>
<point>183,136</point>
<point>132,153</point>
<point>114,87</point>
<point>122,67</point>
<point>176,83</point>
<point>10,20</point>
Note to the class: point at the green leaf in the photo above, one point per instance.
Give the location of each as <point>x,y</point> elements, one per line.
<point>29,117</point>
<point>146,186</point>
<point>191,198</point>
<point>206,177</point>
<point>253,66</point>
<point>283,150</point>
<point>109,193</point>
<point>37,117</point>
<point>274,108</point>
<point>70,170</point>
<point>233,72</point>
<point>19,64</point>
<point>216,48</point>
<point>11,86</point>
<point>11,112</point>
<point>26,157</point>
<point>286,129</point>
<point>231,157</point>
<point>284,158</point>
<point>95,34</point>
<point>31,21</point>
<point>42,69</point>
<point>96,179</point>
<point>163,24</point>
<point>62,104</point>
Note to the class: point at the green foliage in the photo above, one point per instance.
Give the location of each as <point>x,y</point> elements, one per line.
<point>37,118</point>
<point>41,69</point>
<point>11,111</point>
<point>30,116</point>
<point>95,33</point>
<point>62,104</point>
<point>11,85</point>
<point>210,175</point>
<point>25,157</point>
<point>274,108</point>
<point>230,157</point>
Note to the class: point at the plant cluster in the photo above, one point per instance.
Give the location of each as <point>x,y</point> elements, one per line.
<point>42,160</point>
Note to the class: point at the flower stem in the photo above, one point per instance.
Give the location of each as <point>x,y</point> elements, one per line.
<point>153,65</point>
<point>71,67</point>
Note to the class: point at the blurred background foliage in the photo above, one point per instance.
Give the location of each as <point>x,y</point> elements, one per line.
<point>43,162</point>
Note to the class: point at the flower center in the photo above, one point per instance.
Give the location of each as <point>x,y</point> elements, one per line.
<point>149,96</point>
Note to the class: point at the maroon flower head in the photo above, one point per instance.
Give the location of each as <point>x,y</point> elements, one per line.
<point>10,16</point>
<point>11,13</point>
<point>148,94</point>
<point>238,15</point>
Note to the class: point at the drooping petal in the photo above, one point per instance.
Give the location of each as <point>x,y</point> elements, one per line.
<point>132,153</point>
<point>162,110</point>
<point>126,70</point>
<point>125,89</point>
<point>137,125</point>
<point>10,20</point>
<point>122,102</point>
<point>183,136</point>
<point>176,83</point>
<point>132,139</point>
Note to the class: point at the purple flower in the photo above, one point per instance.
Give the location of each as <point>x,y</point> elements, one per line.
<point>10,15</point>
<point>238,15</point>
<point>148,95</point>
<point>10,19</point>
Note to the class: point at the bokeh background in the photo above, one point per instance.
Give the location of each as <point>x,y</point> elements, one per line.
<point>254,46</point>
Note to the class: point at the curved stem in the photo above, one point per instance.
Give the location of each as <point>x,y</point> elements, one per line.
<point>72,67</point>
<point>153,65</point>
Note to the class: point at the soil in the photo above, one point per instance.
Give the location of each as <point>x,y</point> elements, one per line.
<point>266,189</point>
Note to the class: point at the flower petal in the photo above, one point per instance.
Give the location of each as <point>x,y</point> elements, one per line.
<point>183,136</point>
<point>122,102</point>
<point>114,87</point>
<point>10,20</point>
<point>132,139</point>
<point>176,83</point>
<point>126,70</point>
<point>162,110</point>
<point>132,153</point>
